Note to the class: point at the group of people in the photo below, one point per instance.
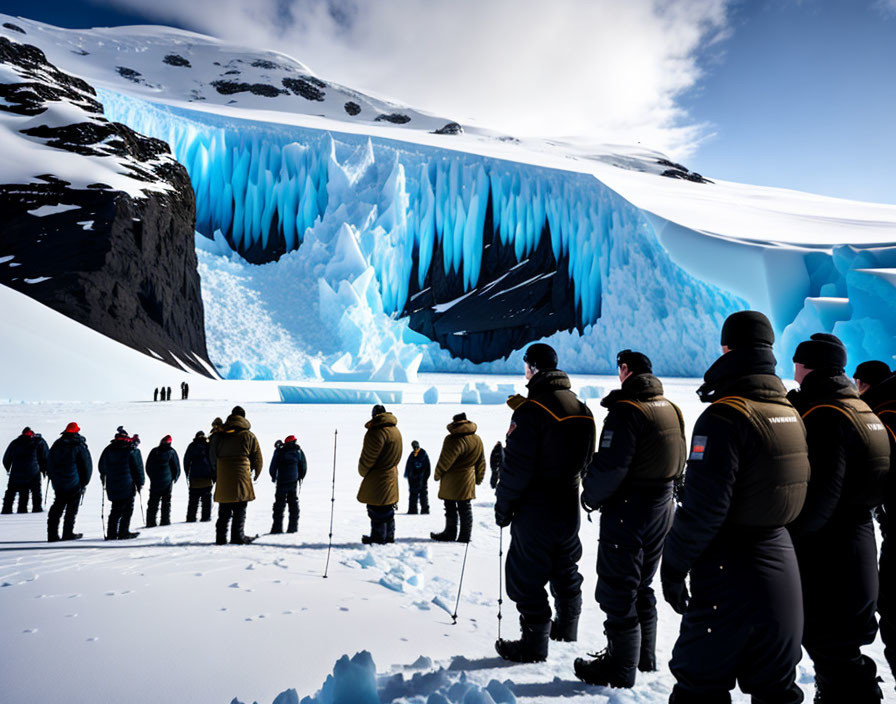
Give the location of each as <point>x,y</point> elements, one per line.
<point>163,393</point>
<point>761,525</point>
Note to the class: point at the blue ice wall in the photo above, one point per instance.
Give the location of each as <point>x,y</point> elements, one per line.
<point>267,190</point>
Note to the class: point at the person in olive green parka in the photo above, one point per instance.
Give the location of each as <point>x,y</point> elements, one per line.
<point>235,453</point>
<point>461,467</point>
<point>378,465</point>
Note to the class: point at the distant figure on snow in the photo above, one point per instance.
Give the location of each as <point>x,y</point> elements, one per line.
<point>168,394</point>
<point>236,455</point>
<point>378,465</point>
<point>186,391</point>
<point>155,394</point>
<point>163,468</point>
<point>460,468</point>
<point>69,467</point>
<point>288,469</point>
<point>25,461</point>
<point>417,471</point>
<point>200,477</point>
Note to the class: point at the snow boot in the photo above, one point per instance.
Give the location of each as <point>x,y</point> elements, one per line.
<point>127,535</point>
<point>293,525</point>
<point>52,537</point>
<point>390,530</point>
<point>465,509</point>
<point>860,685</point>
<point>221,530</point>
<point>237,534</point>
<point>277,529</point>
<point>72,536</point>
<point>112,530</point>
<point>450,532</point>
<point>532,647</point>
<point>617,664</point>
<point>647,660</point>
<point>679,696</point>
<point>565,626</point>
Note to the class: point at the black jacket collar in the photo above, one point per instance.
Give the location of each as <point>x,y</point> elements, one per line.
<point>636,387</point>
<point>748,372</point>
<point>545,382</point>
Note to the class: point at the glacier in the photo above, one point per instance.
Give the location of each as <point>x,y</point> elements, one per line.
<point>322,249</point>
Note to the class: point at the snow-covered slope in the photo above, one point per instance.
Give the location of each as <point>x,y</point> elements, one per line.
<point>476,242</point>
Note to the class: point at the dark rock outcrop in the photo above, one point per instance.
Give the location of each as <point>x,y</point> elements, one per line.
<point>450,128</point>
<point>352,108</point>
<point>681,172</point>
<point>231,87</point>
<point>304,88</point>
<point>122,263</point>
<point>177,60</point>
<point>14,27</point>
<point>395,118</point>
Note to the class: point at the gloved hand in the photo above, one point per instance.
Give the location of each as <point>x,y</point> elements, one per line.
<point>83,490</point>
<point>675,591</point>
<point>503,516</point>
<point>257,474</point>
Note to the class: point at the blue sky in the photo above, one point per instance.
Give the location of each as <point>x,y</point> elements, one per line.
<point>792,93</point>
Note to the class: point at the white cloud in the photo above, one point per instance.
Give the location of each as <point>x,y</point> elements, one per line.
<point>610,70</point>
<point>886,7</point>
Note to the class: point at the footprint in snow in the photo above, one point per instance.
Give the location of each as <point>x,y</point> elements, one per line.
<point>71,615</point>
<point>93,639</point>
<point>223,608</point>
<point>343,608</point>
<point>30,630</point>
<point>235,585</point>
<point>197,574</point>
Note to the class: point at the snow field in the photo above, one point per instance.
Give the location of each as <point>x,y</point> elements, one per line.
<point>172,617</point>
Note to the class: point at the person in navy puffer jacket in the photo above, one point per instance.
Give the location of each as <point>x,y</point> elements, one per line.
<point>163,469</point>
<point>201,478</point>
<point>121,470</point>
<point>25,460</point>
<point>69,468</point>
<point>288,469</point>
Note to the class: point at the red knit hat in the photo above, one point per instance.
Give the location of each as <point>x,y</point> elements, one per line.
<point>28,431</point>
<point>290,438</point>
<point>166,440</point>
<point>72,428</point>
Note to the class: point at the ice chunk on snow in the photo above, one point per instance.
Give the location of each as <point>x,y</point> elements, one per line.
<point>353,682</point>
<point>431,395</point>
<point>329,394</point>
<point>469,395</point>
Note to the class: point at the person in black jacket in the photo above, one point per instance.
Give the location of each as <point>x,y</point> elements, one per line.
<point>288,469</point>
<point>877,388</point>
<point>417,471</point>
<point>163,469</point>
<point>641,452</point>
<point>155,394</point>
<point>849,453</point>
<point>549,444</point>
<point>25,461</point>
<point>746,480</point>
<point>495,459</point>
<point>200,477</point>
<point>121,471</point>
<point>69,467</point>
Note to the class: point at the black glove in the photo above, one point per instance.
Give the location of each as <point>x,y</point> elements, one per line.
<point>675,591</point>
<point>503,517</point>
<point>678,489</point>
<point>585,505</point>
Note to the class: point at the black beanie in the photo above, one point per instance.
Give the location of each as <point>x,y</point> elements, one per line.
<point>459,417</point>
<point>377,409</point>
<point>872,372</point>
<point>238,411</point>
<point>541,356</point>
<point>199,435</point>
<point>821,351</point>
<point>747,328</point>
<point>637,362</point>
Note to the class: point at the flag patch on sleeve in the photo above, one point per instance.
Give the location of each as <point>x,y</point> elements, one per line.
<point>698,447</point>
<point>606,439</point>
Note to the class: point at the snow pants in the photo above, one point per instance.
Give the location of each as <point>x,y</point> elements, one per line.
<point>201,495</point>
<point>67,502</point>
<point>22,490</point>
<point>418,490</point>
<point>544,549</point>
<point>838,567</point>
<point>226,511</point>
<point>459,511</point>
<point>382,523</point>
<point>744,621</point>
<point>157,496</point>
<point>120,517</point>
<point>37,495</point>
<point>286,496</point>
<point>886,602</point>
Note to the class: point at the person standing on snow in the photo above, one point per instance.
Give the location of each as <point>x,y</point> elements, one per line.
<point>746,480</point>
<point>121,471</point>
<point>235,453</point>
<point>163,469</point>
<point>549,444</point>
<point>642,450</point>
<point>877,388</point>
<point>200,478</point>
<point>378,465</point>
<point>69,467</point>
<point>417,471</point>
<point>288,470</point>
<point>25,461</point>
<point>460,468</point>
<point>849,453</point>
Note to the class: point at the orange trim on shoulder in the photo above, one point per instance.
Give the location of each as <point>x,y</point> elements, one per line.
<point>558,418</point>
<point>826,405</point>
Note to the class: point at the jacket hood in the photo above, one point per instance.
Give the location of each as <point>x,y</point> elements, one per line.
<point>748,372</point>
<point>381,420</point>
<point>637,386</point>
<point>819,386</point>
<point>462,427</point>
<point>120,442</point>
<point>544,382</point>
<point>71,438</point>
<point>881,393</point>
<point>236,423</point>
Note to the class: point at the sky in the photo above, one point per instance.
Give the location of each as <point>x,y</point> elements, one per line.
<point>791,93</point>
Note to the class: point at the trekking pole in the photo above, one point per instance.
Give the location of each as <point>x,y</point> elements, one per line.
<point>460,584</point>
<point>142,516</point>
<point>47,490</point>
<point>332,504</point>
<point>500,577</point>
<point>103,509</point>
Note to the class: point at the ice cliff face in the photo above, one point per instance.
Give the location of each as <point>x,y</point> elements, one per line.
<point>97,220</point>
